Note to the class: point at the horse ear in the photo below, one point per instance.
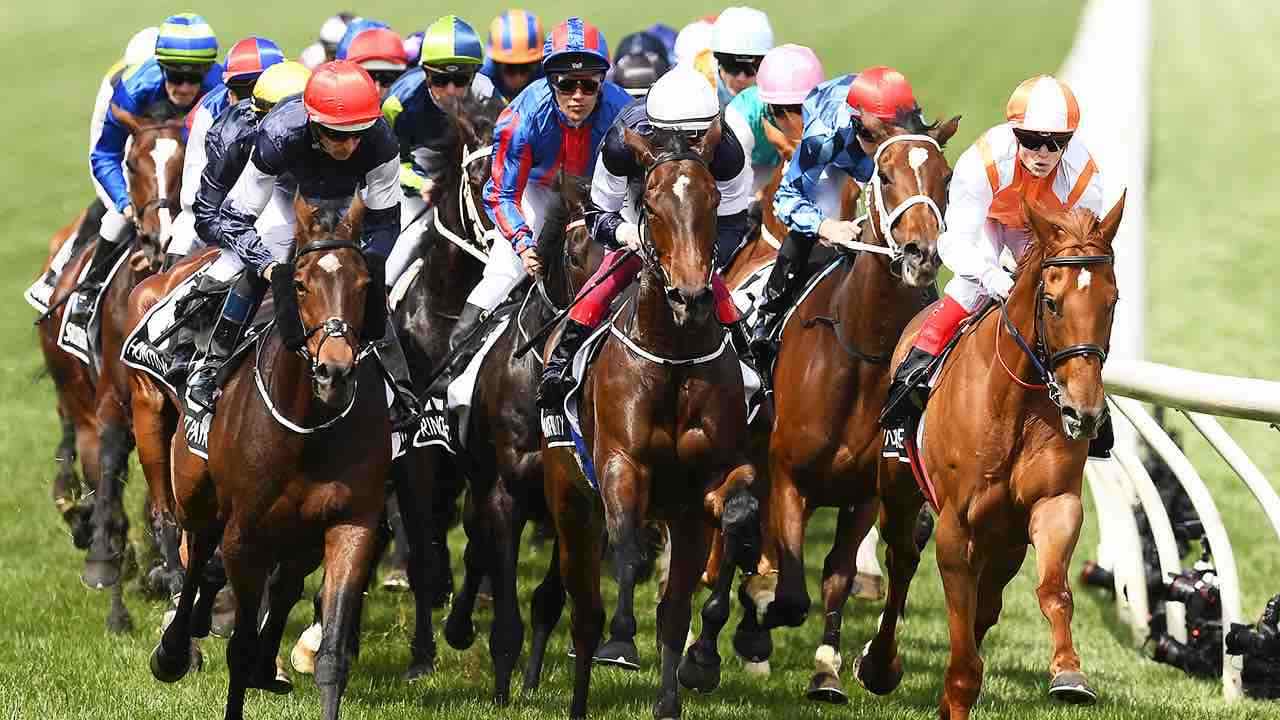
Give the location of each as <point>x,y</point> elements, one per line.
<point>1111,223</point>
<point>778,139</point>
<point>640,147</point>
<point>711,141</point>
<point>943,132</point>
<point>303,213</point>
<point>1042,228</point>
<point>349,229</point>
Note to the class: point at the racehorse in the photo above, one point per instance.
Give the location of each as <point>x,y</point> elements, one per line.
<point>1003,451</point>
<point>662,417</point>
<point>154,165</point>
<point>830,380</point>
<point>299,452</point>
<point>504,452</point>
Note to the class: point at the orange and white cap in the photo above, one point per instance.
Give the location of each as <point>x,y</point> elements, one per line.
<point>1043,104</point>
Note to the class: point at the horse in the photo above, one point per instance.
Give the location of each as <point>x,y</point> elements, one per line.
<point>662,415</point>
<point>299,455</point>
<point>830,380</point>
<point>154,165</point>
<point>504,454</point>
<point>1032,372</point>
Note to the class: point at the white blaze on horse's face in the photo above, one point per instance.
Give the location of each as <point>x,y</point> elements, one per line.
<point>680,186</point>
<point>329,263</point>
<point>161,153</point>
<point>916,158</point>
<point>1082,281</point>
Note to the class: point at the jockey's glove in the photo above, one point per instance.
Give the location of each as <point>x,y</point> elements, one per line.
<point>838,232</point>
<point>997,283</point>
<point>628,235</point>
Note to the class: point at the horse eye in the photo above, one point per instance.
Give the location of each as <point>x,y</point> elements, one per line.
<point>884,179</point>
<point>299,288</point>
<point>1051,304</point>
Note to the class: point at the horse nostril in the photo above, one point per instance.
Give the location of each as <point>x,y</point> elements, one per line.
<point>322,371</point>
<point>913,250</point>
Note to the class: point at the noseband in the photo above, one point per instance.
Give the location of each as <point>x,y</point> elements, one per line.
<point>1042,359</point>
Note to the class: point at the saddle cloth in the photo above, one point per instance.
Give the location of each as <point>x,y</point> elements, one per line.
<point>149,346</point>
<point>41,291</point>
<point>74,339</point>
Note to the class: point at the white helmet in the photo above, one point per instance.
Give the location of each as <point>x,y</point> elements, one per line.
<point>742,31</point>
<point>693,39</point>
<point>141,46</point>
<point>334,28</point>
<point>682,100</point>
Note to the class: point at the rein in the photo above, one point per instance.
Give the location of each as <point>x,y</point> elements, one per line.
<point>1042,360</point>
<point>473,219</point>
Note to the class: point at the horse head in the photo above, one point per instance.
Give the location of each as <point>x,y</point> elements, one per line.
<point>564,243</point>
<point>331,282</point>
<point>908,191</point>
<point>474,120</point>
<point>1067,274</point>
<point>678,228</point>
<point>154,164</point>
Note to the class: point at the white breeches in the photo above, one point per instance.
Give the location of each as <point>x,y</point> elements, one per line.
<point>993,241</point>
<point>406,246</point>
<point>183,239</point>
<point>275,228</point>
<point>505,270</point>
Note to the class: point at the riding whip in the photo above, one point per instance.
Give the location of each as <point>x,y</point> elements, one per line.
<point>542,331</point>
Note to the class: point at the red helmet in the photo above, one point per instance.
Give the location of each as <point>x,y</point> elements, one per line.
<point>341,96</point>
<point>378,49</point>
<point>881,91</point>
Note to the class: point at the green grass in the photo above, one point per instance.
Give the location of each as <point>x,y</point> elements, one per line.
<point>1212,213</point>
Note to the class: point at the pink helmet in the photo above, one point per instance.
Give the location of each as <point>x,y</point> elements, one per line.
<point>787,74</point>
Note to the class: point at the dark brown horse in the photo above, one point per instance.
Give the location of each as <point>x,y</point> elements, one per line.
<point>830,381</point>
<point>299,452</point>
<point>504,451</point>
<point>662,416</point>
<point>154,166</point>
<point>1004,446</point>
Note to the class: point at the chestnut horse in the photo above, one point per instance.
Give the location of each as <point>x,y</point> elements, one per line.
<point>504,451</point>
<point>299,453</point>
<point>98,409</point>
<point>830,380</point>
<point>662,418</point>
<point>1004,448</point>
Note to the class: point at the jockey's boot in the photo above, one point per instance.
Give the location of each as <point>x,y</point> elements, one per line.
<point>238,309</point>
<point>186,338</point>
<point>91,225</point>
<point>908,391</point>
<point>741,340</point>
<point>777,295</point>
<point>405,410</point>
<point>103,258</point>
<point>557,375</point>
<point>462,331</point>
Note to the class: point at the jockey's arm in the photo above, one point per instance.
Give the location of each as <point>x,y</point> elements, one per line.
<point>224,166</point>
<point>382,197</point>
<point>731,168</point>
<point>963,246</point>
<point>505,186</point>
<point>795,202</point>
<point>107,159</point>
<point>195,159</point>
<point>239,212</point>
<point>610,184</point>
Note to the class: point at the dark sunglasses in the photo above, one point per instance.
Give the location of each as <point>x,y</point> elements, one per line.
<point>739,64</point>
<point>384,77</point>
<point>1035,140</point>
<point>775,111</point>
<point>518,68</point>
<point>568,85</point>
<point>179,77</point>
<point>456,79</point>
<point>338,135</point>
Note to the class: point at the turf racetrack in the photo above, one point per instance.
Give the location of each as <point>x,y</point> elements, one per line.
<point>1211,307</point>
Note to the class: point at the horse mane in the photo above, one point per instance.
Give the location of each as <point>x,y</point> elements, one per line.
<point>570,189</point>
<point>1079,230</point>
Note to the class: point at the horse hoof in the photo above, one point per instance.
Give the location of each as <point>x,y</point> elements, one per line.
<point>620,654</point>
<point>169,669</point>
<point>783,613</point>
<point>870,587</point>
<point>701,675</point>
<point>99,575</point>
<point>825,687</point>
<point>223,619</point>
<point>752,646</point>
<point>119,623</point>
<point>396,580</point>
<point>879,683</point>
<point>419,670</point>
<point>459,632</point>
<point>667,709</point>
<point>923,529</point>
<point>281,684</point>
<point>757,669</point>
<point>303,655</point>
<point>1072,687</point>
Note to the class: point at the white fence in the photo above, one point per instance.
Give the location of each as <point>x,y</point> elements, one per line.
<point>1121,484</point>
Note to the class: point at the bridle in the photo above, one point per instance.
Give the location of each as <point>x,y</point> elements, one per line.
<point>473,220</point>
<point>648,252</point>
<point>1042,359</point>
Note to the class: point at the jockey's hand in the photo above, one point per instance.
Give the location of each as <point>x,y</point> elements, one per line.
<point>270,268</point>
<point>837,232</point>
<point>532,263</point>
<point>129,213</point>
<point>629,235</point>
<point>997,283</point>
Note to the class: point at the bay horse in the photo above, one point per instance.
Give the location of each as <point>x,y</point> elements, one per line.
<point>1003,449</point>
<point>99,409</point>
<point>299,454</point>
<point>662,418</point>
<point>504,451</point>
<point>830,381</point>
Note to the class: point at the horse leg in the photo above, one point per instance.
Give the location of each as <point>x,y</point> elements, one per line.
<point>67,487</point>
<point>1054,529</point>
<point>247,568</point>
<point>152,431</point>
<point>415,511</point>
<point>879,667</point>
<point>960,570</point>
<point>284,589</point>
<point>999,571</point>
<point>625,519</point>
<point>505,524</point>
<point>688,559</point>
<point>396,576</point>
<point>459,630</point>
<point>171,658</point>
<point>789,515</point>
<point>852,525</point>
<point>303,655</point>
<point>348,555</point>
<point>547,606</point>
<point>870,578</point>
<point>580,546</point>
<point>104,562</point>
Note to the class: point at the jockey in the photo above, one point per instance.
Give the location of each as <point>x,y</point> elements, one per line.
<point>693,41</point>
<point>667,36</point>
<point>413,107</point>
<point>681,102</point>
<point>380,51</point>
<point>787,74</point>
<point>325,48</point>
<point>245,63</point>
<point>354,28</point>
<point>640,60</point>
<point>413,48</point>
<point>183,68</point>
<point>514,53</point>
<point>333,142</point>
<point>740,39</point>
<point>227,144</point>
<point>1034,157</point>
<point>807,202</point>
<point>556,124</point>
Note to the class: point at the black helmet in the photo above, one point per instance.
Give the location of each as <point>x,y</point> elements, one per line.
<point>641,60</point>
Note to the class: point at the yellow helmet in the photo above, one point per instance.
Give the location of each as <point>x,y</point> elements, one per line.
<point>279,82</point>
